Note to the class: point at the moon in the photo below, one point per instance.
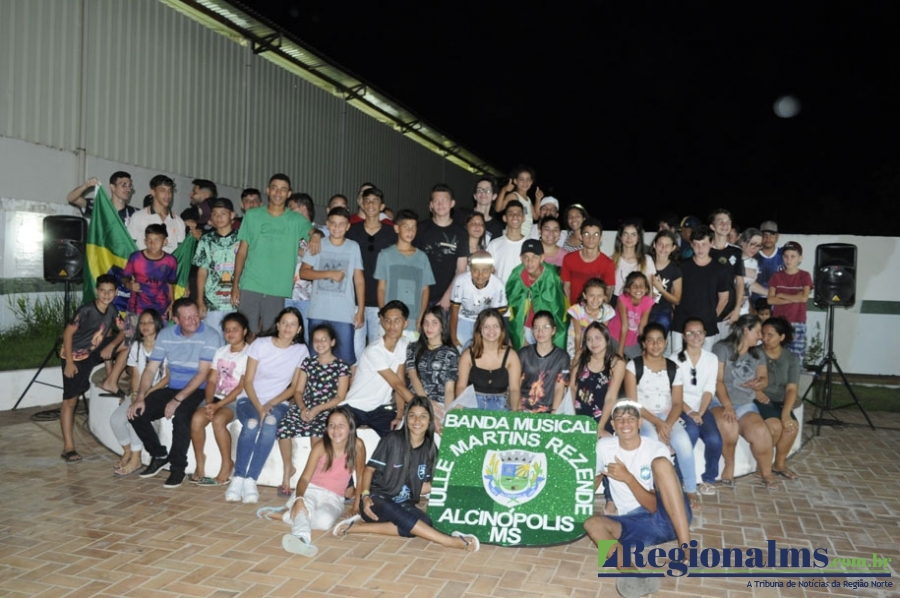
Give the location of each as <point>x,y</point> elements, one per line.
<point>786,107</point>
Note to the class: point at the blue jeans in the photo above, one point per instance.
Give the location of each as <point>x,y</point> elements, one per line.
<point>492,402</point>
<point>708,431</point>
<point>464,330</point>
<point>372,330</point>
<point>303,307</point>
<point>255,442</point>
<point>684,451</point>
<point>345,333</point>
<point>662,315</point>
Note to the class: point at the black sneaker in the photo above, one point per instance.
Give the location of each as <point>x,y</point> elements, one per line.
<point>175,479</point>
<point>156,463</point>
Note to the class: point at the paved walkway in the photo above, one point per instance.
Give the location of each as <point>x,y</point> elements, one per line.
<point>75,530</point>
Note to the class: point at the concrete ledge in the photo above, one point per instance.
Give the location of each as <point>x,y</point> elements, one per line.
<point>13,382</point>
<point>103,407</point>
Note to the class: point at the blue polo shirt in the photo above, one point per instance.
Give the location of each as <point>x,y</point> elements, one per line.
<point>184,354</point>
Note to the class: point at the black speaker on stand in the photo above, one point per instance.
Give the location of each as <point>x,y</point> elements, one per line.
<point>835,286</point>
<point>64,240</point>
<point>835,276</point>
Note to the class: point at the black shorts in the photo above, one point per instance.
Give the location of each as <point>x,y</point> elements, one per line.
<point>772,410</point>
<point>80,383</point>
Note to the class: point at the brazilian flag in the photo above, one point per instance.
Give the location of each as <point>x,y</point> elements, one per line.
<point>109,244</point>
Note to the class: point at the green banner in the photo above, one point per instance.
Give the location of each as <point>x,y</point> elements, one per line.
<point>515,479</point>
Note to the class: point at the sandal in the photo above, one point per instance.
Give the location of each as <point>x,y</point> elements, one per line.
<point>770,484</point>
<point>786,473</point>
<point>210,482</point>
<point>121,472</point>
<point>469,540</point>
<point>727,482</point>
<point>284,491</point>
<point>346,524</point>
<point>264,512</point>
<point>706,489</point>
<point>70,456</point>
<point>696,505</point>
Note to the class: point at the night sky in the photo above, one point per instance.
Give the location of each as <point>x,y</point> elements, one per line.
<point>637,108</point>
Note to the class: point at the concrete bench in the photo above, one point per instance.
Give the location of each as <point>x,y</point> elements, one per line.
<point>101,408</point>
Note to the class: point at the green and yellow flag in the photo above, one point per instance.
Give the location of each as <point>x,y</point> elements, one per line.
<point>184,254</point>
<point>108,244</point>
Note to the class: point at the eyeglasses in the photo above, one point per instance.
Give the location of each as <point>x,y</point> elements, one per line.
<point>543,327</point>
<point>590,235</point>
<point>755,245</point>
<point>693,376</point>
<point>695,333</point>
<point>483,190</point>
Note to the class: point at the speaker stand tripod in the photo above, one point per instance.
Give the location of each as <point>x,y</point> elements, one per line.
<point>54,350</point>
<point>827,366</point>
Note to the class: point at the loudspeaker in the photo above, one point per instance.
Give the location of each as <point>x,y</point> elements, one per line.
<point>64,238</point>
<point>835,276</point>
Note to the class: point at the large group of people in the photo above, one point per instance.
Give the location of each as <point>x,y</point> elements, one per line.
<point>298,329</point>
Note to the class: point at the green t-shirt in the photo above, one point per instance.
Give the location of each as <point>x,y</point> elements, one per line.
<point>272,253</point>
<point>216,254</point>
<point>782,371</point>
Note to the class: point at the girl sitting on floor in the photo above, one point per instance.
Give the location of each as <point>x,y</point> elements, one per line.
<point>319,498</point>
<point>392,482</point>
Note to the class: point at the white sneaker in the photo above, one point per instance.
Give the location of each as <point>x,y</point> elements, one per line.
<point>251,493</point>
<point>298,545</point>
<point>235,491</point>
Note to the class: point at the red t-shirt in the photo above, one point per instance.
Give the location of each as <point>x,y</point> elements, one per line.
<point>577,272</point>
<point>790,284</point>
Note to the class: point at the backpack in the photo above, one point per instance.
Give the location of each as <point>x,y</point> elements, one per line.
<point>671,369</point>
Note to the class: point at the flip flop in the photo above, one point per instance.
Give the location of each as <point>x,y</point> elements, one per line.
<point>119,473</point>
<point>284,491</point>
<point>469,539</point>
<point>706,489</point>
<point>786,473</point>
<point>264,512</point>
<point>728,483</point>
<point>346,524</point>
<point>770,484</point>
<point>696,505</point>
<point>118,394</point>
<point>70,457</point>
<point>210,482</point>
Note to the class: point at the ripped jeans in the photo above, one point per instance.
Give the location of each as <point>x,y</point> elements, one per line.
<point>255,442</point>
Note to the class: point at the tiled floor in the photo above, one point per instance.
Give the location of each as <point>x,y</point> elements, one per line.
<point>75,530</point>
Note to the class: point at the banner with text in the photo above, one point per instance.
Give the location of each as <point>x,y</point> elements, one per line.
<point>514,479</point>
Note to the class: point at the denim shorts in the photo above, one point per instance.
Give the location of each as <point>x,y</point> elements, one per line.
<point>492,402</point>
<point>740,410</point>
<point>649,528</point>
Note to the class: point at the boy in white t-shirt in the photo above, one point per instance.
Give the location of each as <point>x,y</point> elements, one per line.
<point>645,488</point>
<point>473,292</point>
<point>381,375</point>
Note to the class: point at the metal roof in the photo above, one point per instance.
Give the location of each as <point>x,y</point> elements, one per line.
<point>243,25</point>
